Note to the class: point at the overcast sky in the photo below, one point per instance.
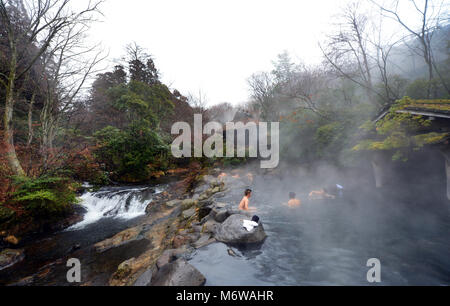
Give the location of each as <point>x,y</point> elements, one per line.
<point>215,45</point>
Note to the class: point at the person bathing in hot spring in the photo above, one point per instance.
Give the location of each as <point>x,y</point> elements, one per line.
<point>327,193</point>
<point>321,195</point>
<point>244,205</point>
<point>293,201</point>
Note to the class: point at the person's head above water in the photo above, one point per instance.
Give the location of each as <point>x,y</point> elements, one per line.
<point>292,196</point>
<point>248,193</point>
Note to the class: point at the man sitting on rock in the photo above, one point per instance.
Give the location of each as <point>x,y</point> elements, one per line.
<point>245,202</point>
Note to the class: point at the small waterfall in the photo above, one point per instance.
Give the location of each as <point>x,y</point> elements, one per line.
<point>123,203</point>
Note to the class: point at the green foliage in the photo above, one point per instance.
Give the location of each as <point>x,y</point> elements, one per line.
<point>399,132</point>
<point>128,153</point>
<point>6,214</point>
<point>140,101</point>
<point>45,196</point>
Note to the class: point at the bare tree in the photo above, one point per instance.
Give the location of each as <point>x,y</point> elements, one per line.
<point>198,102</point>
<point>69,64</point>
<point>304,88</point>
<point>263,89</point>
<point>430,15</point>
<point>223,112</point>
<point>348,51</point>
<point>29,37</point>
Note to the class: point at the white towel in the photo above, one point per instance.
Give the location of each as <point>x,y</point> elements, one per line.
<point>250,225</point>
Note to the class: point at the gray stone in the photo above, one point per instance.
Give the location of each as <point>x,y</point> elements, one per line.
<point>165,258</point>
<point>232,231</point>
<point>199,245</point>
<point>188,203</point>
<point>202,239</point>
<point>194,237</point>
<point>179,274</point>
<point>185,253</point>
<point>220,215</point>
<point>173,203</point>
<point>220,205</point>
<point>145,279</point>
<point>189,213</point>
<point>197,228</point>
<point>203,197</point>
<point>211,226</point>
<point>9,258</point>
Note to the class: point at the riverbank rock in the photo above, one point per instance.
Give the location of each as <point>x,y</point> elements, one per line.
<point>211,226</point>
<point>145,279</point>
<point>179,241</point>
<point>204,241</point>
<point>188,203</point>
<point>12,240</point>
<point>124,269</point>
<point>232,231</point>
<point>123,238</point>
<point>9,258</point>
<point>173,203</point>
<point>189,213</point>
<point>220,214</point>
<point>166,258</point>
<point>179,274</point>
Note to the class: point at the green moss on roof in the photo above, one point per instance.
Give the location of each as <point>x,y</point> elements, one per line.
<point>437,105</point>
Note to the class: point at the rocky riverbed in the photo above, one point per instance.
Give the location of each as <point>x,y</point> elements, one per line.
<point>195,223</point>
<point>154,251</point>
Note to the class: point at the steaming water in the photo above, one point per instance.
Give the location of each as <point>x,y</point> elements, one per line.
<point>330,242</point>
<point>121,203</point>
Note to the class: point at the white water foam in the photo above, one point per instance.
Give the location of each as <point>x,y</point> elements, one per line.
<point>122,204</point>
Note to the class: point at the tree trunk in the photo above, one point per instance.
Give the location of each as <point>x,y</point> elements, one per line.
<point>30,121</point>
<point>13,161</point>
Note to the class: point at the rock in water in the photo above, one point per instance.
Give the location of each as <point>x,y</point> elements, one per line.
<point>145,279</point>
<point>179,273</point>
<point>9,258</point>
<point>232,231</point>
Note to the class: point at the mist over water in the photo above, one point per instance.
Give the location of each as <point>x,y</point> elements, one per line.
<point>329,242</point>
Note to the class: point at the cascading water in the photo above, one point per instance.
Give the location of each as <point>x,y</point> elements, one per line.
<point>119,202</point>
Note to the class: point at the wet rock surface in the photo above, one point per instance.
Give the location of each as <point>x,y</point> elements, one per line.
<point>232,231</point>
<point>9,258</point>
<point>179,273</point>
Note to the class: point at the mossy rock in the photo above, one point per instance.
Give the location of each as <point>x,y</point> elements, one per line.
<point>124,269</point>
<point>189,203</point>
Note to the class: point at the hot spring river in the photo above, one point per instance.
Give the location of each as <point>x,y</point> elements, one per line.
<point>330,242</point>
<point>321,243</point>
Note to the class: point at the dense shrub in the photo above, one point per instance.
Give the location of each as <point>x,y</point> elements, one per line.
<point>45,196</point>
<point>128,153</point>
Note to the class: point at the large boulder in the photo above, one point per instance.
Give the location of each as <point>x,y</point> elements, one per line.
<point>9,258</point>
<point>179,274</point>
<point>232,231</point>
